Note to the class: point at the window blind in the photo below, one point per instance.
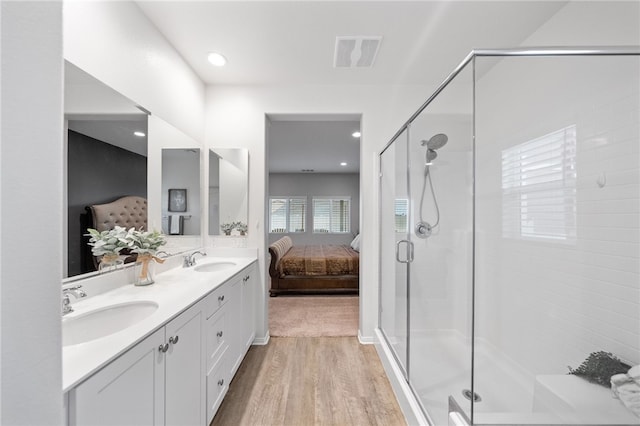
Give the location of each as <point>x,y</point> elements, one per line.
<point>297,214</point>
<point>331,215</point>
<point>287,214</point>
<point>539,187</point>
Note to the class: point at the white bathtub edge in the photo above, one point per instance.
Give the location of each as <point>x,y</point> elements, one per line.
<point>408,404</point>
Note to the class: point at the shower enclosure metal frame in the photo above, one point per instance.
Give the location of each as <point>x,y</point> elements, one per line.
<point>471,59</point>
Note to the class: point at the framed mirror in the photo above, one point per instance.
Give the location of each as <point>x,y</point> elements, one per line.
<point>228,189</point>
<point>181,191</point>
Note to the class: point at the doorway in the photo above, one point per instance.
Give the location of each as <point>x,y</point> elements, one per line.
<point>313,223</point>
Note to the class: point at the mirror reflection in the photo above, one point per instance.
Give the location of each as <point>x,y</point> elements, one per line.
<point>228,189</point>
<point>106,161</point>
<point>181,191</point>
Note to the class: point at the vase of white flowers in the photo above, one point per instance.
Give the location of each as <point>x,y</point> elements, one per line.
<point>145,244</point>
<point>107,246</point>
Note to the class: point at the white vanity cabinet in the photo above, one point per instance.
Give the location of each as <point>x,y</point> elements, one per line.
<point>157,382</point>
<point>230,330</point>
<point>180,373</point>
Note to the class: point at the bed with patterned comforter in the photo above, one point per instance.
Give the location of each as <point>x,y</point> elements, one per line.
<point>313,268</point>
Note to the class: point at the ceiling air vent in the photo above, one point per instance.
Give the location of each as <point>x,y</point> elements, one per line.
<point>356,52</point>
<point>307,170</point>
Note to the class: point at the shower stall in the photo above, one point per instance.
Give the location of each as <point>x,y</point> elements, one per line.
<point>510,241</point>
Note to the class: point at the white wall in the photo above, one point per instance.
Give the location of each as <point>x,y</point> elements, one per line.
<point>318,184</point>
<point>31,211</point>
<point>116,43</point>
<point>235,117</point>
<point>548,304</point>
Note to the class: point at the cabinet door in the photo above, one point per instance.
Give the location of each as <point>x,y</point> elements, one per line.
<point>234,324</point>
<point>184,374</point>
<point>129,391</point>
<point>216,335</point>
<point>217,386</point>
<point>248,307</point>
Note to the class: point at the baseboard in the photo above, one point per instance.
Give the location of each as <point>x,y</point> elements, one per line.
<point>408,404</point>
<point>366,340</point>
<point>261,341</point>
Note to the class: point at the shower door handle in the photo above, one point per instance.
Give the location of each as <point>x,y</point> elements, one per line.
<point>408,251</point>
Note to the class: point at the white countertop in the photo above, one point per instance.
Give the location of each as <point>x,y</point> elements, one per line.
<point>174,291</point>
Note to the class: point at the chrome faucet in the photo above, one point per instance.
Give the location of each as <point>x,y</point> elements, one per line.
<point>75,291</point>
<point>189,260</point>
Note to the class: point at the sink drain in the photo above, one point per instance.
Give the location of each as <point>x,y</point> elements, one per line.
<point>471,396</point>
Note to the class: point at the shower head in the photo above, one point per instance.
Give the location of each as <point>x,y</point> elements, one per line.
<point>431,155</point>
<point>436,142</point>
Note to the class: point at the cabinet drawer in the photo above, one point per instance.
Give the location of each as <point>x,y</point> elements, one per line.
<point>216,299</point>
<point>216,336</point>
<point>217,386</point>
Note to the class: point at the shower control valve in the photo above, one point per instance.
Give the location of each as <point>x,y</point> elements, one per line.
<point>423,230</point>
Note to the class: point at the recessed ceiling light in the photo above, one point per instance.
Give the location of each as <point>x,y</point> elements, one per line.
<point>139,134</point>
<point>343,164</point>
<point>217,59</point>
<point>355,134</point>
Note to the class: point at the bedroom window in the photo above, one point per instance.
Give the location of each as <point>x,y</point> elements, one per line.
<point>287,214</point>
<point>332,215</point>
<point>539,188</point>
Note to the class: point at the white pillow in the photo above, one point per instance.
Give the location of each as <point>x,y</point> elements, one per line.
<point>355,244</point>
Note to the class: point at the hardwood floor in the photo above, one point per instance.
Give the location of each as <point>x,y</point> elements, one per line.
<point>301,381</point>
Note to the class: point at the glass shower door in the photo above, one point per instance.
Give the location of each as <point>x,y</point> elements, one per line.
<point>395,248</point>
<point>440,280</point>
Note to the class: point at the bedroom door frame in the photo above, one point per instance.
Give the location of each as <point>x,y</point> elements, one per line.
<point>298,116</point>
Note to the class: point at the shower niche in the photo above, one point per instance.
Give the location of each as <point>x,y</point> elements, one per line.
<point>505,256</point>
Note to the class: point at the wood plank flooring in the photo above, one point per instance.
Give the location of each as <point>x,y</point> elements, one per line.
<point>299,381</point>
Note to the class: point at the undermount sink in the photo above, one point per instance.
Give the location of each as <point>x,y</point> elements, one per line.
<point>104,321</point>
<point>214,266</point>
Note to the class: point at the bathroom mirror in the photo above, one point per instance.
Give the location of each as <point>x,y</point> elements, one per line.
<point>228,188</point>
<point>106,158</point>
<point>180,200</point>
<point>105,161</point>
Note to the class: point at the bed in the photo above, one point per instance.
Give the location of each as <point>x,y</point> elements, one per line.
<point>129,212</point>
<point>313,268</point>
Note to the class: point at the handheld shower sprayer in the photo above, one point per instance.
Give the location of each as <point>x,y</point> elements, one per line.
<point>423,229</point>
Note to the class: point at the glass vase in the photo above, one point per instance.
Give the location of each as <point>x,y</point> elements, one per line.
<point>144,270</point>
<point>109,262</point>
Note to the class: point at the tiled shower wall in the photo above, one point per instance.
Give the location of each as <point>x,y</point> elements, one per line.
<point>548,303</point>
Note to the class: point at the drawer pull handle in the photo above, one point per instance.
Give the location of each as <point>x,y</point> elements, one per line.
<point>219,333</point>
<point>163,348</point>
<point>174,340</point>
<point>221,298</point>
<point>220,382</point>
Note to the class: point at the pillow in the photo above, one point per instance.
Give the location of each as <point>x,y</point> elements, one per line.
<point>355,244</point>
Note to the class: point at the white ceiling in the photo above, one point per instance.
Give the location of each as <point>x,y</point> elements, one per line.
<point>96,110</point>
<point>292,42</point>
<point>313,145</point>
